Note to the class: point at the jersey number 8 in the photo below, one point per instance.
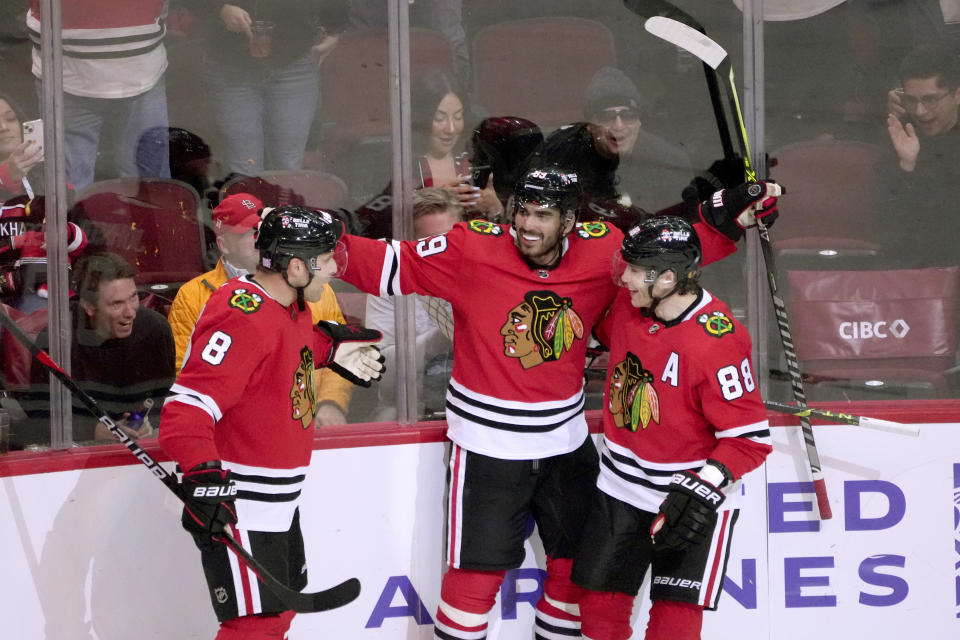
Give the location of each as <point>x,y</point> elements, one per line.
<point>216,348</point>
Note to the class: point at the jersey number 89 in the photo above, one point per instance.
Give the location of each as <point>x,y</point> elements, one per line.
<point>734,381</point>
<point>216,348</point>
<point>432,246</point>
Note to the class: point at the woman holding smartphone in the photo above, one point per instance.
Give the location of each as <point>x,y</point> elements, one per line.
<point>17,157</point>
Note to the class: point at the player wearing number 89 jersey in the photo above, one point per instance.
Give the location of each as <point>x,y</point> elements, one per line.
<point>525,298</point>
<point>683,421</point>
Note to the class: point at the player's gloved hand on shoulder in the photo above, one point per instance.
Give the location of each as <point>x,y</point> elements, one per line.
<point>350,352</point>
<point>688,513</point>
<point>730,211</point>
<point>209,496</point>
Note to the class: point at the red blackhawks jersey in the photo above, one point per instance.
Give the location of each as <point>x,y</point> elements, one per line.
<point>677,393</point>
<point>245,396</point>
<point>516,390</point>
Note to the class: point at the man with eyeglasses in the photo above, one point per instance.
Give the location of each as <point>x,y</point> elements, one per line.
<point>925,106</point>
<point>920,178</point>
<point>624,167</point>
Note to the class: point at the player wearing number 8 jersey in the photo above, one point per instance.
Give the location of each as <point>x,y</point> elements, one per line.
<point>239,421</point>
<point>682,422</point>
<point>525,298</point>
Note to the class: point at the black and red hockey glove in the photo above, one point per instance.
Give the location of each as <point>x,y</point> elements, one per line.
<point>10,281</point>
<point>688,513</point>
<point>209,496</point>
<point>350,352</point>
<point>730,211</point>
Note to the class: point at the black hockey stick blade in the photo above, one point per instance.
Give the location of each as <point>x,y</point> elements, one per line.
<point>300,602</point>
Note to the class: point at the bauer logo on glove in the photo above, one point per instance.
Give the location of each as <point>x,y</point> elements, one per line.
<point>688,513</point>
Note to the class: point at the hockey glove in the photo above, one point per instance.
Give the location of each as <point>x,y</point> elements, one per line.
<point>10,281</point>
<point>730,211</point>
<point>725,173</point>
<point>350,352</point>
<point>209,496</point>
<point>688,513</point>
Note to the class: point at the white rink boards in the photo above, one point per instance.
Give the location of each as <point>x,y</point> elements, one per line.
<point>99,553</point>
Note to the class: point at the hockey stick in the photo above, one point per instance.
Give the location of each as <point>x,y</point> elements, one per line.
<point>669,23</point>
<point>889,426</point>
<point>300,602</point>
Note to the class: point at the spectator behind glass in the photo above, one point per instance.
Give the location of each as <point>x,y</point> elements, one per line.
<point>235,221</point>
<point>619,162</point>
<point>437,126</point>
<point>113,66</point>
<point>260,71</point>
<point>17,158</point>
<point>499,149</point>
<point>121,353</point>
<point>190,157</point>
<point>23,252</point>
<point>435,211</point>
<point>920,177</point>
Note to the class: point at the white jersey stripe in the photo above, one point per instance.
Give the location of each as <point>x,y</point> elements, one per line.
<point>236,573</point>
<point>458,467</point>
<point>756,432</point>
<point>712,581</point>
<point>196,399</point>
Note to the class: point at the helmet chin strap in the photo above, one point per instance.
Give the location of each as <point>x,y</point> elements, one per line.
<point>651,310</point>
<point>301,301</point>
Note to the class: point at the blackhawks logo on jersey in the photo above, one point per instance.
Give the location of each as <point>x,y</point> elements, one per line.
<point>485,227</point>
<point>245,301</point>
<point>587,230</point>
<point>633,399</point>
<point>540,328</point>
<point>303,400</point>
<point>716,324</point>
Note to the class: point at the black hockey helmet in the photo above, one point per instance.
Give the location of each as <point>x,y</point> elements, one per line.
<point>292,231</point>
<point>550,186</point>
<point>662,243</point>
<point>500,146</point>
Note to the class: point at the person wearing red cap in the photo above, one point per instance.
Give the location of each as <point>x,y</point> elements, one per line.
<point>234,220</point>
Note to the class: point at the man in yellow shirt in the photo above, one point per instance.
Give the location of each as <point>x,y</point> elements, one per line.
<point>234,221</point>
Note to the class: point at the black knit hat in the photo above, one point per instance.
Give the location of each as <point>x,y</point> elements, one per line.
<point>609,87</point>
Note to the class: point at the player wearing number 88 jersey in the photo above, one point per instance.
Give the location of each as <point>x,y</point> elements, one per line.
<point>683,421</point>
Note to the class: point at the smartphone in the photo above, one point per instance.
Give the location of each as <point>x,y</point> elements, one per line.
<point>33,132</point>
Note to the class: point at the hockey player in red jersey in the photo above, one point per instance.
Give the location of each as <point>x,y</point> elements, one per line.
<point>683,421</point>
<point>525,297</point>
<point>239,420</point>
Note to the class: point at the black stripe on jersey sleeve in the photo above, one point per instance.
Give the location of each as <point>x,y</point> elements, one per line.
<point>762,434</point>
<point>521,413</point>
<point>506,426</point>
<point>242,477</point>
<point>267,497</point>
<point>394,267</point>
<point>608,463</point>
